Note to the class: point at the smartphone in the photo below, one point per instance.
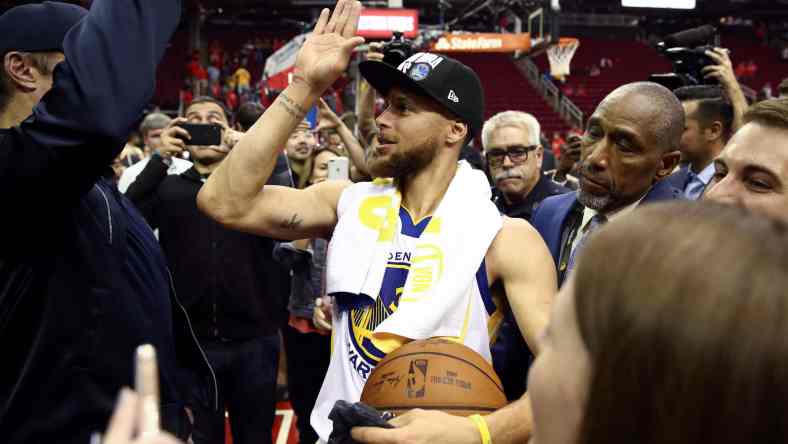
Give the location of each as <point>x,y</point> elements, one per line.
<point>146,384</point>
<point>339,168</point>
<point>203,134</point>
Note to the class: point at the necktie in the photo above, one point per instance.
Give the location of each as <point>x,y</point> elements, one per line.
<point>694,187</point>
<point>597,221</point>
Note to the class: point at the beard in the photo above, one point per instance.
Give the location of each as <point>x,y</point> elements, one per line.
<point>594,202</point>
<point>597,203</point>
<point>206,155</point>
<point>401,163</point>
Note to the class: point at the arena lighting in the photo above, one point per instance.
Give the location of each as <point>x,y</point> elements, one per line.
<point>667,4</point>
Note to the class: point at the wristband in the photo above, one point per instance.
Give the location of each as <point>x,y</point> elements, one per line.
<point>484,431</point>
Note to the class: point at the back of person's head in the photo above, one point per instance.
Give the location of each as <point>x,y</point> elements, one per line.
<point>686,333</point>
<point>713,106</point>
<point>154,121</point>
<point>248,114</point>
<point>39,61</point>
<point>33,37</point>
<point>772,113</point>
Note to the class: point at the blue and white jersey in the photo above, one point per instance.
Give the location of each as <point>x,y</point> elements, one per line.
<point>355,352</point>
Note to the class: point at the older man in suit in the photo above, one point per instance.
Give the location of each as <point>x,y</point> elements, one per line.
<point>631,144</point>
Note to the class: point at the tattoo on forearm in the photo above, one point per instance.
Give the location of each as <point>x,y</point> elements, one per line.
<point>293,108</point>
<point>293,223</point>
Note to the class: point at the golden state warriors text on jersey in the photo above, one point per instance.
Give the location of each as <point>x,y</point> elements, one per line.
<point>365,316</point>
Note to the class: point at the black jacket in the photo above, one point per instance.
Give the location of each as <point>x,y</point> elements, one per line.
<point>227,280</point>
<point>543,189</point>
<point>82,280</point>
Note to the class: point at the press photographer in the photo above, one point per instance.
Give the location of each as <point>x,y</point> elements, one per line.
<point>698,60</point>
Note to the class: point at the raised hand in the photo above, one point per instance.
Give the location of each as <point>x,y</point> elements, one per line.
<point>124,426</point>
<point>326,53</point>
<point>173,138</point>
<point>723,70</point>
<point>327,118</point>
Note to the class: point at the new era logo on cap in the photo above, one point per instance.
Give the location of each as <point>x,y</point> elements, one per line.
<point>453,97</point>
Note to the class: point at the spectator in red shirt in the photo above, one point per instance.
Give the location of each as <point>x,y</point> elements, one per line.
<point>186,95</point>
<point>216,90</point>
<point>231,100</point>
<point>557,143</point>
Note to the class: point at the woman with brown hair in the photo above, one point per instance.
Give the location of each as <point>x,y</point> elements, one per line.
<point>673,329</point>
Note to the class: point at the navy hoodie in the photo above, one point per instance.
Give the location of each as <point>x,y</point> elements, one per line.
<point>83,281</point>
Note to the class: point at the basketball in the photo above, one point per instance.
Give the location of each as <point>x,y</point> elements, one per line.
<point>434,374</point>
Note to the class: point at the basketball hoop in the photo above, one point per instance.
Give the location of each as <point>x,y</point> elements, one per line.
<point>560,56</point>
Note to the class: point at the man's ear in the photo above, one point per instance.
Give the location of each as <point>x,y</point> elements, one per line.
<point>714,131</point>
<point>668,164</point>
<point>20,71</point>
<point>539,153</point>
<point>458,132</point>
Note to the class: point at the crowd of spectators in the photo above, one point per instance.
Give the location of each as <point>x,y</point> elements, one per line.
<point>232,281</point>
<point>227,74</point>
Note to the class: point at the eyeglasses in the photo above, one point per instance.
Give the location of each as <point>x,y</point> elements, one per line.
<point>516,153</point>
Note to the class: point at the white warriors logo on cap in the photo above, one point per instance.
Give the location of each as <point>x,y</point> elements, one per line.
<point>420,65</point>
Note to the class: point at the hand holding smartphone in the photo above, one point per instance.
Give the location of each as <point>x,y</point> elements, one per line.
<point>339,168</point>
<point>203,134</point>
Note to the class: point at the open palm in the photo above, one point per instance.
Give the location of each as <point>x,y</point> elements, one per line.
<point>326,52</point>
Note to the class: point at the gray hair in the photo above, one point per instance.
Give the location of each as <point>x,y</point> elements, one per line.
<point>517,119</point>
<point>154,121</point>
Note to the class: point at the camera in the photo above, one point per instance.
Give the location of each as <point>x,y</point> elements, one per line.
<point>687,51</point>
<point>397,50</point>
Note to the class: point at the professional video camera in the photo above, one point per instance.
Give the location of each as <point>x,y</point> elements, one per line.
<point>397,50</point>
<point>687,50</point>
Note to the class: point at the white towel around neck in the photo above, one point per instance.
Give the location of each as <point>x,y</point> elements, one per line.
<point>450,250</point>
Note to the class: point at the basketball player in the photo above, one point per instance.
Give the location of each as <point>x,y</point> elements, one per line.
<point>434,107</point>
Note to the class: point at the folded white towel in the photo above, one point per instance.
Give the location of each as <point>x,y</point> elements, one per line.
<point>444,264</point>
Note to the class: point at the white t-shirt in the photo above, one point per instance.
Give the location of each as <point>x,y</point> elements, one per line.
<point>128,177</point>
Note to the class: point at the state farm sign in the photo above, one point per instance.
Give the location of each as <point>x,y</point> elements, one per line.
<point>380,23</point>
<point>482,43</point>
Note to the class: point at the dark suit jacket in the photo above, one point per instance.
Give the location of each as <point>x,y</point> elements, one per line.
<point>551,218</point>
<point>678,180</point>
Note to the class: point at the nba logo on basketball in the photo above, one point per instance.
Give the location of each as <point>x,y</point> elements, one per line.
<point>417,378</point>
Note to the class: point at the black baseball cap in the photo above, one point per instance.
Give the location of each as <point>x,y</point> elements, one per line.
<point>452,84</point>
<point>38,27</point>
